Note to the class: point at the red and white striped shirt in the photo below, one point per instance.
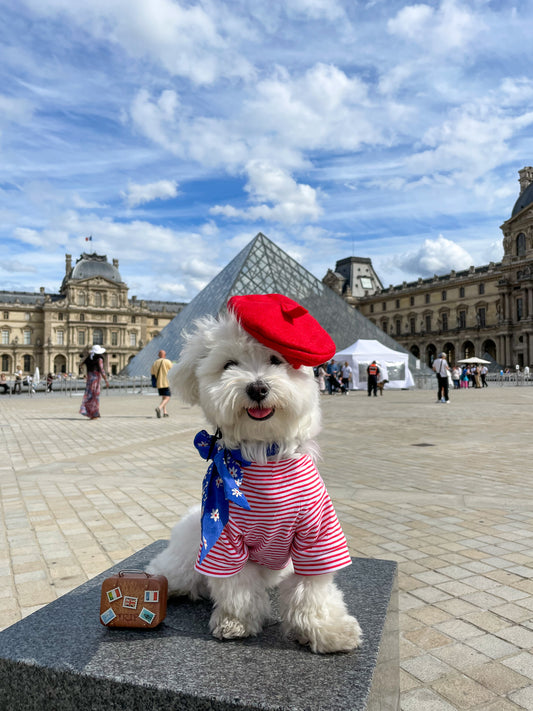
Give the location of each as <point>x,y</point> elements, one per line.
<point>291,517</point>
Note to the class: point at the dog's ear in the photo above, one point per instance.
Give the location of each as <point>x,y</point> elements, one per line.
<point>183,376</point>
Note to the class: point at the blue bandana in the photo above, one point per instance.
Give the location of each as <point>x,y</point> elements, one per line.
<point>220,486</point>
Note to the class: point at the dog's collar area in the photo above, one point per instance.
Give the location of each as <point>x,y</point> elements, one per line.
<point>213,442</point>
<point>260,413</point>
<point>220,486</point>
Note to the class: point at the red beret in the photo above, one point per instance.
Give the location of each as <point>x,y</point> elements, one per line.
<point>283,325</point>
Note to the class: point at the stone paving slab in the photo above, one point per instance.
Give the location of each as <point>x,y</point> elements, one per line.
<point>444,490</point>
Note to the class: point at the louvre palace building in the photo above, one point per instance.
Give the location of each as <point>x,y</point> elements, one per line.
<point>484,311</point>
<point>54,331</point>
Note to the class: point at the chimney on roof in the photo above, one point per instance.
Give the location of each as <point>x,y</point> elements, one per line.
<point>68,264</point>
<point>526,178</point>
<point>115,263</point>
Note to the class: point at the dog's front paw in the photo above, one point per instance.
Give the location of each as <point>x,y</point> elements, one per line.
<point>344,636</point>
<point>225,626</point>
<point>330,635</point>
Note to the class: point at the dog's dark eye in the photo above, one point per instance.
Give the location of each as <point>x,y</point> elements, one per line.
<point>274,360</point>
<point>229,364</point>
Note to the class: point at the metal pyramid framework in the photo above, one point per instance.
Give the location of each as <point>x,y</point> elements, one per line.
<point>262,268</point>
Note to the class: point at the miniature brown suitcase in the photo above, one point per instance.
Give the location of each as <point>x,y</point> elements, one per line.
<point>133,598</point>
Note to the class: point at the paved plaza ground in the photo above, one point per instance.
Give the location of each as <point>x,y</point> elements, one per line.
<point>444,490</point>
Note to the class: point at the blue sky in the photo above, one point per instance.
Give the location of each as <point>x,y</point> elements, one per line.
<point>173,132</point>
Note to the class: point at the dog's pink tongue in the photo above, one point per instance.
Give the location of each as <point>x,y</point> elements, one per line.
<point>258,413</point>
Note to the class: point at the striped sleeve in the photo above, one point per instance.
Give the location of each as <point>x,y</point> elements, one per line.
<point>319,545</point>
<point>227,557</point>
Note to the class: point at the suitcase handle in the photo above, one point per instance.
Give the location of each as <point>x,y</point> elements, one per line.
<point>134,570</point>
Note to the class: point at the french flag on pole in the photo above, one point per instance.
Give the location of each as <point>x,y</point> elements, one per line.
<point>151,595</point>
<point>89,238</point>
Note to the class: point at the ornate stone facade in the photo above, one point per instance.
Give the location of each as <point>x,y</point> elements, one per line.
<point>481,311</point>
<point>52,331</point>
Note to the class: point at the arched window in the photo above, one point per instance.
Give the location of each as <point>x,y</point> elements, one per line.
<point>520,245</point>
<point>98,299</point>
<point>114,300</point>
<point>26,363</point>
<point>468,349</point>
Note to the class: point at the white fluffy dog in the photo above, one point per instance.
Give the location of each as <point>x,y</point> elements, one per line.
<point>254,398</point>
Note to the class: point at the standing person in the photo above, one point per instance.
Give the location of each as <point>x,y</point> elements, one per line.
<point>372,372</point>
<point>160,369</point>
<point>331,369</point>
<point>94,364</point>
<point>441,368</point>
<point>346,375</point>
<point>17,387</point>
<point>3,383</point>
<point>49,381</point>
<point>321,378</point>
<point>456,377</point>
<point>485,370</point>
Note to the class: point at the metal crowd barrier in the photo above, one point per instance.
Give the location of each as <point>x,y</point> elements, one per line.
<point>517,378</point>
<point>71,386</point>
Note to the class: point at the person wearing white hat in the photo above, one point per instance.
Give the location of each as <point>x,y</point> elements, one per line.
<point>94,364</point>
<point>441,368</point>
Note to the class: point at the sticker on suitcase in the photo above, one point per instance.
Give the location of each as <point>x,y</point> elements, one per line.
<point>114,594</point>
<point>130,602</point>
<point>107,616</point>
<point>147,616</point>
<point>151,595</point>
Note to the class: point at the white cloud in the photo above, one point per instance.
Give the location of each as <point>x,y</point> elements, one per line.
<point>436,256</point>
<point>188,40</point>
<point>321,108</point>
<point>317,9</point>
<point>16,265</point>
<point>471,141</point>
<point>210,142</point>
<point>79,202</point>
<point>444,29</point>
<point>160,190</point>
<point>275,195</point>
<point>156,119</point>
<point>13,110</point>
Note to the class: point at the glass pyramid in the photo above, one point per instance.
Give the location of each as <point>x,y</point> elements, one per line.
<point>262,268</point>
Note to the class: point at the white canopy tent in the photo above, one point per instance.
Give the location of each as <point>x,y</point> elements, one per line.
<point>394,365</point>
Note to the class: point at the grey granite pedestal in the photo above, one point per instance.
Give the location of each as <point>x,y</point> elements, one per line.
<point>61,658</point>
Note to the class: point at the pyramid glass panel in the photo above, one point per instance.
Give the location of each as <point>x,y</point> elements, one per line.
<point>262,267</point>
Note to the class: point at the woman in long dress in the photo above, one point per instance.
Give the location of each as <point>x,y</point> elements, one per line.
<point>94,363</point>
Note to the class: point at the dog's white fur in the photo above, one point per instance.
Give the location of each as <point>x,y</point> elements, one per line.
<point>219,361</point>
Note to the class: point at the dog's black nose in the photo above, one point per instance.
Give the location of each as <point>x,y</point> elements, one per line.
<point>257,391</point>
